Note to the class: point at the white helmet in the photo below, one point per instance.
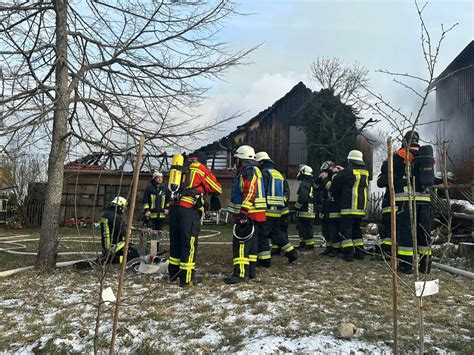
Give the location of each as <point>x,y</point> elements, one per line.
<point>262,156</point>
<point>438,175</point>
<point>157,173</point>
<point>245,152</point>
<point>119,201</point>
<point>450,176</point>
<point>306,170</point>
<point>356,155</point>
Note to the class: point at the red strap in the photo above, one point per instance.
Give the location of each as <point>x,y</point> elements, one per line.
<point>402,153</point>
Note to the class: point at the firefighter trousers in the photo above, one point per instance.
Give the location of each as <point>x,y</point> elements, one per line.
<point>156,223</point>
<point>185,225</point>
<point>244,254</point>
<point>385,234</point>
<point>305,231</point>
<point>330,230</point>
<point>273,230</point>
<point>423,231</point>
<point>350,236</point>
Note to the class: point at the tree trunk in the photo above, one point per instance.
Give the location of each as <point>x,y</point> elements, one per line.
<point>48,244</point>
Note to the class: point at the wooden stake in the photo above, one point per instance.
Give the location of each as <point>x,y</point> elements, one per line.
<point>393,232</point>
<point>136,175</point>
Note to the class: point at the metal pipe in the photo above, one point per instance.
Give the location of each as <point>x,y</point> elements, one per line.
<point>454,270</point>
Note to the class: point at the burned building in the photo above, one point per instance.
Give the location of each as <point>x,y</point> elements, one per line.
<point>455,109</point>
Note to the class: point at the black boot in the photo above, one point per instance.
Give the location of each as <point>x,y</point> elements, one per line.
<point>232,279</point>
<point>327,251</point>
<point>275,251</point>
<point>425,264</point>
<point>292,255</point>
<point>359,253</point>
<point>405,264</point>
<point>333,252</point>
<point>264,262</point>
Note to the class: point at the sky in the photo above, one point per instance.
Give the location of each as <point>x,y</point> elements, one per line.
<point>377,34</point>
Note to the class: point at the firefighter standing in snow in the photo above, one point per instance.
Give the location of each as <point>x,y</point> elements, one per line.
<point>155,200</point>
<point>349,188</point>
<point>277,193</point>
<point>421,163</point>
<point>330,211</point>
<point>112,231</point>
<point>186,209</point>
<point>305,211</point>
<point>248,206</point>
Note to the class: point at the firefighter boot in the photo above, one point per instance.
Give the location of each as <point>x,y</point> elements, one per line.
<point>359,253</point>
<point>252,270</point>
<point>232,279</point>
<point>405,264</point>
<point>292,255</point>
<point>425,264</point>
<point>275,250</point>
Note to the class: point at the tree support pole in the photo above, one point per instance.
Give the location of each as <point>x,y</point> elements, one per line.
<point>136,175</point>
<point>393,232</point>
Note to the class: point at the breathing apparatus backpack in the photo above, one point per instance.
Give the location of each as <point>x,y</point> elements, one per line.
<point>423,166</point>
<point>176,174</point>
<point>178,171</point>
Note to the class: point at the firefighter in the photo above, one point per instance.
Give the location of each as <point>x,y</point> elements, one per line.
<point>155,201</point>
<point>421,163</point>
<point>330,214</point>
<point>248,207</point>
<point>112,232</point>
<point>385,225</point>
<point>349,188</point>
<point>186,209</point>
<point>305,211</point>
<point>277,193</point>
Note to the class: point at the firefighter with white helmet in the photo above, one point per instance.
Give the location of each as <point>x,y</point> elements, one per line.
<point>349,188</point>
<point>305,207</point>
<point>112,232</point>
<point>277,194</point>
<point>155,201</point>
<point>248,208</point>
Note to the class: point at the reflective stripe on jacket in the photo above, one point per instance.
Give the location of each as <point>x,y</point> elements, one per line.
<point>275,193</point>
<point>248,194</point>
<point>350,188</point>
<point>305,203</point>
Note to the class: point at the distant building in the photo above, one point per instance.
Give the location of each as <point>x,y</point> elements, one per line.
<point>455,108</point>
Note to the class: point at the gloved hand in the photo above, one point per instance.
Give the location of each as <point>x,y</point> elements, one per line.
<point>243,218</point>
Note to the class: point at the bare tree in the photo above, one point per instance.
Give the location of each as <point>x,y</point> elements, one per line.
<point>346,81</point>
<point>102,73</point>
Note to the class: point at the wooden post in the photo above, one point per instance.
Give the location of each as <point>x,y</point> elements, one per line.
<point>393,233</point>
<point>136,175</point>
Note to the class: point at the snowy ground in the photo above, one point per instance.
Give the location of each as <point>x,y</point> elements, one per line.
<point>289,308</point>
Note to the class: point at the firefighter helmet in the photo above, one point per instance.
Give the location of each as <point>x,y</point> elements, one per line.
<point>438,175</point>
<point>119,201</point>
<point>415,138</point>
<point>262,156</point>
<point>450,176</point>
<point>157,173</point>
<point>356,156</point>
<point>306,170</point>
<point>245,152</point>
<point>326,165</point>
